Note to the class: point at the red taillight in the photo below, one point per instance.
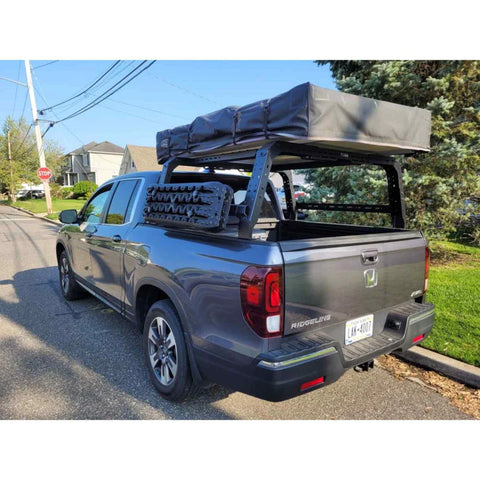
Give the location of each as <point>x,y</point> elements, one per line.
<point>417,339</point>
<point>427,268</point>
<point>261,291</point>
<point>312,383</point>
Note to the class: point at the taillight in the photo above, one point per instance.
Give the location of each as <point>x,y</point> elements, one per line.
<point>427,268</point>
<point>261,291</point>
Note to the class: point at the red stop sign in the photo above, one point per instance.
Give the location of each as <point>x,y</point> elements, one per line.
<point>44,173</point>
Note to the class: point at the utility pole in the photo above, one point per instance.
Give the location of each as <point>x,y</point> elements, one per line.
<point>12,186</point>
<point>38,133</point>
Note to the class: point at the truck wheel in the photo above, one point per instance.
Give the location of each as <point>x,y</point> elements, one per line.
<point>166,352</point>
<point>71,290</point>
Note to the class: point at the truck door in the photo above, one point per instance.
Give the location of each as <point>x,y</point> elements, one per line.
<point>107,244</point>
<point>90,217</point>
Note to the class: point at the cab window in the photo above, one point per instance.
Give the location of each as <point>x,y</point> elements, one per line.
<point>122,200</point>
<point>93,211</point>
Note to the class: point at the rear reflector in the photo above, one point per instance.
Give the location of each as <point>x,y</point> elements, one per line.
<point>417,339</point>
<point>312,383</point>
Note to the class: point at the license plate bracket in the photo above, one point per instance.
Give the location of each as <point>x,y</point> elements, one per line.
<point>358,329</point>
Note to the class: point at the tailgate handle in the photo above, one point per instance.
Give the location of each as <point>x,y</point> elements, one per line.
<point>369,257</point>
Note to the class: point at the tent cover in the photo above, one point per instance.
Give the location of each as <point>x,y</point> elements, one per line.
<point>305,114</point>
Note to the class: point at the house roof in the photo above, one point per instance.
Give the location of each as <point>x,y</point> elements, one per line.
<point>104,147</point>
<point>145,158</point>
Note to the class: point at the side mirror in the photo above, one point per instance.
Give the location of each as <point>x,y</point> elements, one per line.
<point>68,216</point>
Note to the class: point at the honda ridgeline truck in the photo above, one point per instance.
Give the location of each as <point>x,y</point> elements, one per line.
<point>229,287</point>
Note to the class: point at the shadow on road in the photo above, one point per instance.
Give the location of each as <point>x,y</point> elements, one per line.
<point>74,335</point>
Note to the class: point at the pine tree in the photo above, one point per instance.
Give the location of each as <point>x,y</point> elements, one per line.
<point>439,186</point>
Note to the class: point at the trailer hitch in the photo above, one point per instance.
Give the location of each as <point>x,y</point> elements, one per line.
<point>364,367</point>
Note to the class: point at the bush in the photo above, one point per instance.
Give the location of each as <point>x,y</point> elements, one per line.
<point>84,189</point>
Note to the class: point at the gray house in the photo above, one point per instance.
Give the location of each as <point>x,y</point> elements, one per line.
<point>97,162</point>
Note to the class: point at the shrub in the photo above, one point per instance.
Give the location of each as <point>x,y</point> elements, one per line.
<point>84,189</point>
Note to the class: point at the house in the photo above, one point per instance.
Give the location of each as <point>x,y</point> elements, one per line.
<point>141,159</point>
<point>97,162</point>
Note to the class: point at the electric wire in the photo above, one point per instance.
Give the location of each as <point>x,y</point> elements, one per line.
<point>24,105</point>
<point>16,88</point>
<point>100,99</point>
<point>113,74</point>
<point>45,64</point>
<point>185,90</point>
<point>81,93</point>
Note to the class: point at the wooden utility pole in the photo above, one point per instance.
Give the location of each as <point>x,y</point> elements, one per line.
<point>12,185</point>
<point>38,133</point>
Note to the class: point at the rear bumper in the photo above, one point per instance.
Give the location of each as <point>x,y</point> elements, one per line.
<point>278,375</point>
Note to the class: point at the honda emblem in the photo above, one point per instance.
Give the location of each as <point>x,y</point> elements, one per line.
<point>371,278</point>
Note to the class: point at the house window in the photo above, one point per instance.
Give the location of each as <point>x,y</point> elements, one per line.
<point>91,177</point>
<point>85,160</point>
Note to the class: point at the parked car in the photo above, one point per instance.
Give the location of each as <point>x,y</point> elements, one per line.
<point>25,194</point>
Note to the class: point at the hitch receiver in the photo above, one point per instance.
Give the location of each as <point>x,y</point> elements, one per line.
<point>364,367</point>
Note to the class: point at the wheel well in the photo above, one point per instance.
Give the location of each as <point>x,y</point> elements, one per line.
<point>147,295</point>
<point>60,249</point>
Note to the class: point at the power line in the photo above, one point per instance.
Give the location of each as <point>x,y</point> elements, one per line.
<point>22,142</point>
<point>81,93</point>
<point>45,64</point>
<point>100,99</point>
<point>150,109</point>
<point>119,70</point>
<point>185,90</point>
<point>16,87</point>
<point>24,105</point>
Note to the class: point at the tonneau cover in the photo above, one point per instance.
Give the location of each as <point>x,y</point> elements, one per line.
<point>305,114</point>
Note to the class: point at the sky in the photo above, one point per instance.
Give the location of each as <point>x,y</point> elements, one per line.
<point>168,94</point>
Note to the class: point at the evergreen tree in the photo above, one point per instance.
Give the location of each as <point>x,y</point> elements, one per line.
<point>439,185</point>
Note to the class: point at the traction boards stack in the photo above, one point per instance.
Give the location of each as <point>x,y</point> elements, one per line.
<point>202,206</point>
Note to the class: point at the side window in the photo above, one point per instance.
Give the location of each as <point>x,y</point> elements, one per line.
<point>93,210</point>
<point>121,203</point>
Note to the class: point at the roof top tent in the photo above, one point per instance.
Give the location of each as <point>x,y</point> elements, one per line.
<point>306,127</point>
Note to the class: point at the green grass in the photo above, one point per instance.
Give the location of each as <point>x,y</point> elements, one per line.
<point>454,288</point>
<point>39,206</point>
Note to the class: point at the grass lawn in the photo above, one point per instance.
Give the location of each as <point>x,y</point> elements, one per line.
<point>454,288</point>
<point>38,205</point>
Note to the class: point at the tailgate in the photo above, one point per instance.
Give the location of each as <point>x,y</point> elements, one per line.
<point>333,280</point>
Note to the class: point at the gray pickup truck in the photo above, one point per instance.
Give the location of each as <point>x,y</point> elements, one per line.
<point>229,287</point>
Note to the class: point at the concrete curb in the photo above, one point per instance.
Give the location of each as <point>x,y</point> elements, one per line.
<point>35,215</point>
<point>454,369</point>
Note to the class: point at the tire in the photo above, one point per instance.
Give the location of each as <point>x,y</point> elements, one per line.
<point>70,288</point>
<point>166,353</point>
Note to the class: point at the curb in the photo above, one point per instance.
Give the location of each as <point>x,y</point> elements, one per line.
<point>454,369</point>
<point>35,215</point>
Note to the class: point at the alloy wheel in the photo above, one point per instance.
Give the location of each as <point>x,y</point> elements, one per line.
<point>162,350</point>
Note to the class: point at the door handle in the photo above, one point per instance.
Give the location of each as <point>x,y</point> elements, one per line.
<point>369,257</point>
<point>117,238</point>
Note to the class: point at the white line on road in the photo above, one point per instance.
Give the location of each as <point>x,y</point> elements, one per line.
<point>16,219</point>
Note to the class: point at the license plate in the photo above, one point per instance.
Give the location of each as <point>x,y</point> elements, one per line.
<point>358,329</point>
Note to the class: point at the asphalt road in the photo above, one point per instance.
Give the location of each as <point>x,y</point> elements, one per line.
<point>81,360</point>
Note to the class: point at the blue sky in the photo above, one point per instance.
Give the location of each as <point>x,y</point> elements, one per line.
<point>178,91</point>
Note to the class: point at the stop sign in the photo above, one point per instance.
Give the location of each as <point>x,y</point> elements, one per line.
<point>44,173</point>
